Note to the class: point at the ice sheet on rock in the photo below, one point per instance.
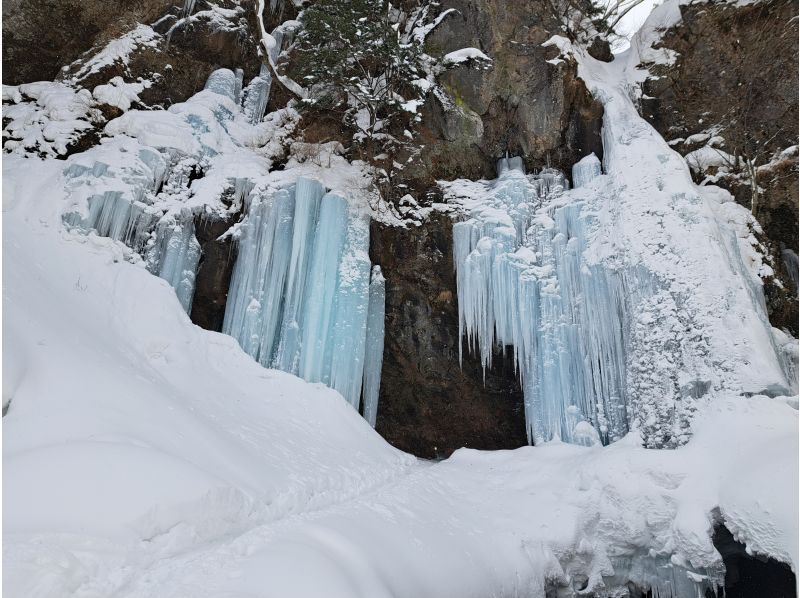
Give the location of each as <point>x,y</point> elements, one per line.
<point>373,358</point>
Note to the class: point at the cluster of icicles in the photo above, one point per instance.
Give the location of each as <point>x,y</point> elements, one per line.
<point>522,282</point>
<point>304,297</point>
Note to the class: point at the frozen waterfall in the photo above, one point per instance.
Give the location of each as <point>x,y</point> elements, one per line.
<point>301,297</point>
<point>522,283</point>
<point>601,339</point>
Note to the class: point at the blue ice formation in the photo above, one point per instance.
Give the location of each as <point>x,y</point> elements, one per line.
<point>303,296</point>
<point>125,213</point>
<point>128,213</point>
<point>585,170</point>
<point>522,283</point>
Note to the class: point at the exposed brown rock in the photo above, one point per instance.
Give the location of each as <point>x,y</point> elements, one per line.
<point>523,104</point>
<point>429,405</point>
<point>42,36</point>
<point>600,49</point>
<point>214,272</point>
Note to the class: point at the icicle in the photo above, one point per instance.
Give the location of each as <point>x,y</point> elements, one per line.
<point>352,302</point>
<point>521,281</point>
<point>317,343</point>
<point>256,96</point>
<point>175,256</point>
<point>300,294</point>
<point>308,194</point>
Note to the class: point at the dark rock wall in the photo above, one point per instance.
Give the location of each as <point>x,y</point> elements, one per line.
<point>41,36</point>
<point>214,272</point>
<point>520,104</point>
<point>737,68</point>
<point>430,406</point>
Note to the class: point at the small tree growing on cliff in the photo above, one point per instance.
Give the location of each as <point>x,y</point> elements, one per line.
<point>352,54</point>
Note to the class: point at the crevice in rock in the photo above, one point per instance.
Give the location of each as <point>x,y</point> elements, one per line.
<point>214,272</point>
<point>750,575</point>
<point>429,405</point>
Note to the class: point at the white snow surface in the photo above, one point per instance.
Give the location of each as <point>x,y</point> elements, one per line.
<point>118,50</point>
<point>463,55</point>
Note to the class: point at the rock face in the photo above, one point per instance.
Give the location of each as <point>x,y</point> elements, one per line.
<point>214,272</point>
<point>41,36</point>
<point>41,44</point>
<point>521,104</point>
<point>735,77</point>
<point>430,406</point>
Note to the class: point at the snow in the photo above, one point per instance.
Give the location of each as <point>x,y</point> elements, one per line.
<point>118,51</point>
<point>118,93</point>
<point>146,457</point>
<point>45,116</point>
<point>707,157</point>
<point>464,55</point>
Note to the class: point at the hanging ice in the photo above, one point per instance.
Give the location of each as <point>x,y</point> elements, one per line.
<point>522,283</point>
<point>117,203</point>
<point>175,256</point>
<point>256,96</point>
<point>300,297</point>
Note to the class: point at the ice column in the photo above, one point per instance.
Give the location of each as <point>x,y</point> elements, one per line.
<point>308,194</point>
<point>256,96</point>
<point>175,256</point>
<point>300,298</point>
<point>223,82</point>
<point>255,299</point>
<point>585,170</point>
<point>318,312</point>
<point>352,302</point>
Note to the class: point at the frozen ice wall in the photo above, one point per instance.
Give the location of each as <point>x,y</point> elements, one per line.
<point>598,343</point>
<point>114,188</point>
<point>522,283</point>
<point>137,188</point>
<point>301,297</point>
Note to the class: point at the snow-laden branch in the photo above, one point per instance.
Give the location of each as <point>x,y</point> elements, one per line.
<point>270,43</point>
